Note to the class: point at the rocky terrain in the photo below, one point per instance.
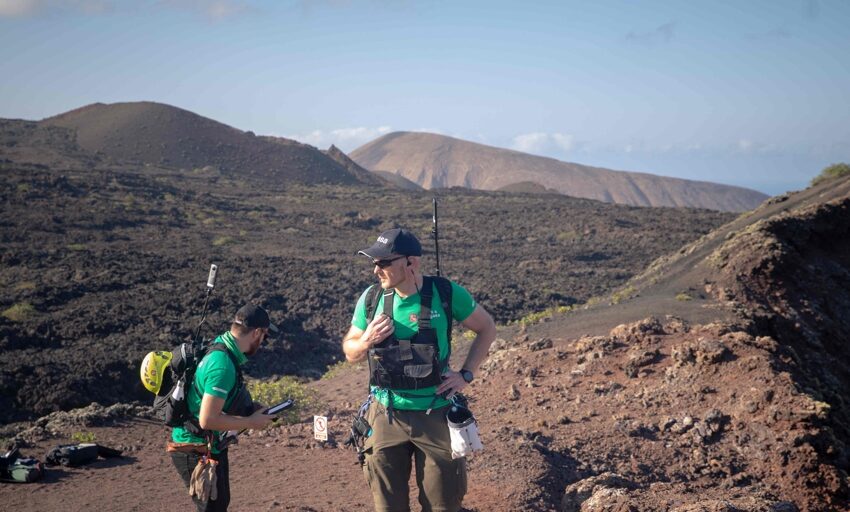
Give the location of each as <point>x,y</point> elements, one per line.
<point>714,407</point>
<point>101,266</point>
<point>437,161</point>
<point>711,378</point>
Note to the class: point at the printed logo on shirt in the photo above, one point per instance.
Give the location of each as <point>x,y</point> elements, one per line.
<point>435,314</point>
<point>413,318</point>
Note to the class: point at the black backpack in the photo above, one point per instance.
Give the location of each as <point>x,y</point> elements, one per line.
<point>78,454</point>
<point>444,289</point>
<point>170,405</point>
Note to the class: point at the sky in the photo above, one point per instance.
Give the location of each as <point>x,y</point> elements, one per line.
<point>746,92</point>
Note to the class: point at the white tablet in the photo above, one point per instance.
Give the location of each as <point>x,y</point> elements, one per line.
<point>279,408</point>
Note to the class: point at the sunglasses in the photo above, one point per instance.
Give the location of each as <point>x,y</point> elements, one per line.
<point>386,263</point>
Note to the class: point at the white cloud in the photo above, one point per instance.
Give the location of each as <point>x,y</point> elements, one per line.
<point>745,144</point>
<point>531,142</point>
<point>18,8</point>
<point>22,8</point>
<point>345,139</point>
<point>541,142</point>
<point>214,10</point>
<point>564,141</point>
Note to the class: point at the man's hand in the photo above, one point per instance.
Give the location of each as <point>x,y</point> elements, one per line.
<point>259,420</point>
<point>378,330</point>
<point>452,383</point>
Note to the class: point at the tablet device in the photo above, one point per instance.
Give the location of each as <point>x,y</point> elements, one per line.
<point>279,408</point>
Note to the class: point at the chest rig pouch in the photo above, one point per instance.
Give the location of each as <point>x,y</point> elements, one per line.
<point>408,364</point>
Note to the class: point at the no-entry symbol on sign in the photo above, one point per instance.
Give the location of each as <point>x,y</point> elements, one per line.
<point>320,428</point>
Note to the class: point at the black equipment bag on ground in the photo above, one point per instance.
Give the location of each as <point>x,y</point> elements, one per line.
<point>71,454</point>
<point>78,454</point>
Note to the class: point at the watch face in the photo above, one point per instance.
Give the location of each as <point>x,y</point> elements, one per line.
<point>467,375</point>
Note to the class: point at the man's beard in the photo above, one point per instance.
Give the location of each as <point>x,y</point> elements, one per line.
<point>253,350</point>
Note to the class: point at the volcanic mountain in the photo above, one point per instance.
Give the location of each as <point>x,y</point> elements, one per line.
<point>162,135</point>
<point>437,161</point>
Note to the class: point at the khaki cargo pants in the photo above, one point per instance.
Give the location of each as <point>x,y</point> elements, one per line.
<point>425,438</point>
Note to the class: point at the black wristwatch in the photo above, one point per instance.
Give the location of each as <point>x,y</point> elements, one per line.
<point>467,375</point>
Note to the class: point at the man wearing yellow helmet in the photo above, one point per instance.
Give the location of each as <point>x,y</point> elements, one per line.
<point>212,397</point>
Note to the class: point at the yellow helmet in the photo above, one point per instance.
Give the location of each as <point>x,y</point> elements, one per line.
<point>153,369</point>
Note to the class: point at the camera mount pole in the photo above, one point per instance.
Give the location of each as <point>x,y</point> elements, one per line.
<point>210,286</point>
<point>435,233</point>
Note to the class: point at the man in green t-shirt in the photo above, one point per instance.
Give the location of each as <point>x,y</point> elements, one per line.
<point>407,347</point>
<point>219,404</point>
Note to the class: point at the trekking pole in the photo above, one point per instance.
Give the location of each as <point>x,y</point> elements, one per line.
<point>436,237</point>
<point>210,286</point>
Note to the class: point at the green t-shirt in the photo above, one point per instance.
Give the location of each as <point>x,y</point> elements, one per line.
<point>405,313</point>
<point>215,376</point>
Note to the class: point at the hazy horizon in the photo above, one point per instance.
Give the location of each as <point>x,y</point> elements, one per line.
<point>751,94</point>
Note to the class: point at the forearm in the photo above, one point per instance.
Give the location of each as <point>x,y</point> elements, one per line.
<point>479,349</point>
<point>355,348</point>
<point>224,422</point>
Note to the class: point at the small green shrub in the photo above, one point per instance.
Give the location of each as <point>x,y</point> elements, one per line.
<point>626,293</point>
<point>222,240</point>
<point>76,247</point>
<point>25,285</point>
<point>533,318</point>
<point>830,172</point>
<point>23,187</point>
<point>19,312</point>
<point>593,301</point>
<point>270,392</point>
<point>83,437</point>
<point>683,297</point>
<point>568,236</point>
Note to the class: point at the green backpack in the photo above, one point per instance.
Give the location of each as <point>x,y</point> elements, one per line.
<point>16,468</point>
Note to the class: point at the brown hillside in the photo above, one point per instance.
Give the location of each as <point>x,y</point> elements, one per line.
<point>398,180</point>
<point>736,398</point>
<point>158,134</point>
<point>355,170</point>
<point>436,161</point>
<point>33,144</point>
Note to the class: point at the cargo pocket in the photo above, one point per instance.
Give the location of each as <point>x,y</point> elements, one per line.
<point>418,371</point>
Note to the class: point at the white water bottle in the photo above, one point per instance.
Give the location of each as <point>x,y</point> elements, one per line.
<point>463,431</point>
<point>177,394</point>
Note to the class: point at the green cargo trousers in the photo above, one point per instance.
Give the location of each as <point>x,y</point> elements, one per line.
<point>425,438</point>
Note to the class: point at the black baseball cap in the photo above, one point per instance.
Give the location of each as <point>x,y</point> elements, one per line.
<point>254,317</point>
<point>394,241</point>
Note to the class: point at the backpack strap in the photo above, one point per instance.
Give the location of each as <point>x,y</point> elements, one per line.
<point>444,290</point>
<point>372,301</point>
<point>221,347</point>
<point>425,295</point>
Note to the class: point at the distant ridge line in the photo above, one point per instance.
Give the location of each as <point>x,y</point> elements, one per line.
<point>436,161</point>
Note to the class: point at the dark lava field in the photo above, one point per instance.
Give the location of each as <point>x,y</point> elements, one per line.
<point>101,265</point>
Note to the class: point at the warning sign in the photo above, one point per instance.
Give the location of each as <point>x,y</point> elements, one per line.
<point>320,428</point>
